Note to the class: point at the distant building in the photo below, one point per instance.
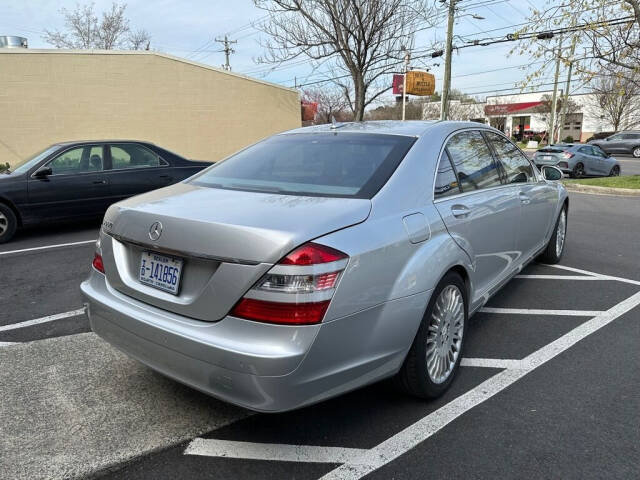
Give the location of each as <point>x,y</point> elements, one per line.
<point>198,111</point>
<point>523,115</point>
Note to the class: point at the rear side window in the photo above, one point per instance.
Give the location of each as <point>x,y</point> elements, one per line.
<point>446,180</point>
<point>336,164</point>
<point>586,150</point>
<point>473,161</point>
<point>132,155</point>
<point>516,167</point>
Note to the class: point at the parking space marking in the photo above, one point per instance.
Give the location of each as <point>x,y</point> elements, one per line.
<point>271,451</point>
<point>424,428</point>
<point>560,277</point>
<point>491,363</point>
<point>37,321</point>
<point>538,311</point>
<point>47,247</point>
<point>7,344</point>
<point>600,275</point>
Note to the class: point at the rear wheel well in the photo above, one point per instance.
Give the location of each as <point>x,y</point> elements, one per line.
<point>15,211</point>
<point>460,270</point>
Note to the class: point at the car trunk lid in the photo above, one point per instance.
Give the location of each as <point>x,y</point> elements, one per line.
<point>226,239</point>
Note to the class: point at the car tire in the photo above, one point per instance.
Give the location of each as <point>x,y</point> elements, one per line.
<point>636,152</point>
<point>555,248</point>
<point>419,375</point>
<point>615,171</point>
<point>578,171</point>
<point>8,223</point>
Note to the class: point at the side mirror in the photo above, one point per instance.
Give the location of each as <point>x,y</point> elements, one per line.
<point>43,172</point>
<point>551,173</point>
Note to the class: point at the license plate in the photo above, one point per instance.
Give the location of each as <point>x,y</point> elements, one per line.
<point>546,157</point>
<point>160,271</point>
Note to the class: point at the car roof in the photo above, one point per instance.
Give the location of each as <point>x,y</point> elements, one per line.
<point>412,128</point>
<point>96,140</point>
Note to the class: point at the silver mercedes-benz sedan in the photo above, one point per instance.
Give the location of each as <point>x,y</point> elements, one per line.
<point>323,259</point>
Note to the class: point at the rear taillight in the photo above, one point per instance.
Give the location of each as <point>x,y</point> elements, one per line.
<point>567,155</point>
<point>97,262</point>
<point>297,290</point>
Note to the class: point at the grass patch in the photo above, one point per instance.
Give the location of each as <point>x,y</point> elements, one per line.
<point>630,181</point>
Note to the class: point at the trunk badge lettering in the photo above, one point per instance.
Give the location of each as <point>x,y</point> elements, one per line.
<point>155,231</point>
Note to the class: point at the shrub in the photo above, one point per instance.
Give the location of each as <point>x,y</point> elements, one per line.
<point>537,138</point>
<point>568,139</point>
<point>4,167</point>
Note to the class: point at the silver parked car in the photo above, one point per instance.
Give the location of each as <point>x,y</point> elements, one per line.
<point>578,160</point>
<point>323,259</point>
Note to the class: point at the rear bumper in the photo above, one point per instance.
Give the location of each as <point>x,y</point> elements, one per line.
<point>262,367</point>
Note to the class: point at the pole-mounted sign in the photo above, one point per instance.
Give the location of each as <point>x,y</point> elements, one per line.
<point>420,83</point>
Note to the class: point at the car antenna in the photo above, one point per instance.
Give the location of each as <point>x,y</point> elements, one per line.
<point>334,124</point>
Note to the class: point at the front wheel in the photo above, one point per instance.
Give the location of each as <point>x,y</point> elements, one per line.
<point>555,248</point>
<point>636,152</point>
<point>434,357</point>
<point>615,171</point>
<point>8,223</point>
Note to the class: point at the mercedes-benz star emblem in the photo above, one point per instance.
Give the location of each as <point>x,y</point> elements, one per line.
<point>155,231</point>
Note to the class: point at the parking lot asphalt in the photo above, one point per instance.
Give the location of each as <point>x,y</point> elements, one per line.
<point>548,388</point>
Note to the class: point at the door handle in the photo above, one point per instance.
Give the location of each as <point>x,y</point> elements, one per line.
<point>524,198</point>
<point>460,211</point>
<point>99,182</point>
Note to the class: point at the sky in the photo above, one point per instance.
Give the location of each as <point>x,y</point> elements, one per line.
<point>188,28</point>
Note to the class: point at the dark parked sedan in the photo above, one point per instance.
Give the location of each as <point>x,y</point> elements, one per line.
<point>623,142</point>
<point>81,179</point>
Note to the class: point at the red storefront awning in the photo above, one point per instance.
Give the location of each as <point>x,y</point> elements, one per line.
<point>506,108</point>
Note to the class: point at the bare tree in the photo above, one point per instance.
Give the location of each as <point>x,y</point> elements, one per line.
<point>139,40</point>
<point>617,99</point>
<point>363,40</point>
<point>606,33</point>
<point>545,107</point>
<point>84,30</point>
<point>331,103</point>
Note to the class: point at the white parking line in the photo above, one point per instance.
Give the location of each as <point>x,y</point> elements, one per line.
<point>559,277</point>
<point>7,344</point>
<point>270,451</point>
<point>47,247</point>
<point>599,275</point>
<point>36,321</point>
<point>424,428</point>
<point>538,311</point>
<point>491,363</point>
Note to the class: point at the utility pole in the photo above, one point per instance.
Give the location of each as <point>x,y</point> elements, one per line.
<point>227,50</point>
<point>554,100</point>
<point>407,57</point>
<point>446,84</point>
<point>565,102</point>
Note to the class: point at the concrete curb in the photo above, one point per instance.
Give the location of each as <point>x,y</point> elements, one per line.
<point>576,187</point>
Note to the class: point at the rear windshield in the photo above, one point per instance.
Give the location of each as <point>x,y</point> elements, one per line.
<point>337,164</point>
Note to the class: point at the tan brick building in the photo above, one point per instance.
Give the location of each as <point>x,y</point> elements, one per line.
<point>200,112</point>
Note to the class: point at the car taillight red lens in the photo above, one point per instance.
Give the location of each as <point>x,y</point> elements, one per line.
<point>296,291</point>
<point>567,155</point>
<point>97,262</point>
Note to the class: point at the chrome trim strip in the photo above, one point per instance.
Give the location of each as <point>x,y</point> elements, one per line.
<point>317,269</point>
<point>280,297</point>
<point>180,253</point>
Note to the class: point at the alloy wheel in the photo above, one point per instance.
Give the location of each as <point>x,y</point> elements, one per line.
<point>615,171</point>
<point>636,152</point>
<point>561,232</point>
<point>4,223</point>
<point>444,339</point>
<point>578,171</point>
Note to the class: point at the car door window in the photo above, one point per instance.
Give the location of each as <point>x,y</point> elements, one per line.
<point>473,161</point>
<point>78,160</point>
<point>598,152</point>
<point>131,155</point>
<point>446,180</point>
<point>587,150</point>
<point>517,168</point>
